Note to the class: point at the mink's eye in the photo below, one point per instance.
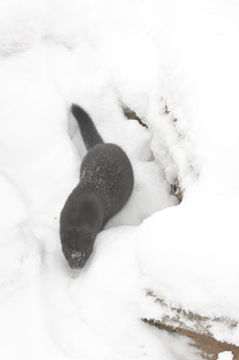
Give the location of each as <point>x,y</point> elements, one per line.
<point>90,237</point>
<point>64,237</point>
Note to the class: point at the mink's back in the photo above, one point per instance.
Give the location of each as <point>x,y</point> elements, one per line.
<point>107,171</point>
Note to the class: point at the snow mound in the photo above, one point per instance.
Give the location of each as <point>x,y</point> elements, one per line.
<point>175,64</point>
<point>22,25</point>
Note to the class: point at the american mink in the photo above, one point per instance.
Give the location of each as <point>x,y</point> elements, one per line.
<point>106,183</point>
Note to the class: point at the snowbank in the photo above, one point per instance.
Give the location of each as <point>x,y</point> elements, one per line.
<point>176,65</point>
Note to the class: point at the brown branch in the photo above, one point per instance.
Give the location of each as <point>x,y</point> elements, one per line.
<point>199,328</point>
<point>208,346</point>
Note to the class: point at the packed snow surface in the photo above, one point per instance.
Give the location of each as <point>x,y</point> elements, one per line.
<point>175,63</point>
<point>225,355</point>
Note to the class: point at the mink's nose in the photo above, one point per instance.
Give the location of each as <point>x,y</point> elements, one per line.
<point>77,260</point>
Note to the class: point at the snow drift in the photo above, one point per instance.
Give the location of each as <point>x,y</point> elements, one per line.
<point>176,65</point>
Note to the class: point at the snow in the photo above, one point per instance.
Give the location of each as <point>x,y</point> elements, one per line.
<point>103,54</point>
<point>226,355</point>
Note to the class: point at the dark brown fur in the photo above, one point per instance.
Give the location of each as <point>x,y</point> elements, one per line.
<point>106,183</point>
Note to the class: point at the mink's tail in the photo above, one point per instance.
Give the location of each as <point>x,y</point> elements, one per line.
<point>88,130</point>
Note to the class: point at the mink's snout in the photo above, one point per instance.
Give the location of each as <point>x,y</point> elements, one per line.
<point>77,259</point>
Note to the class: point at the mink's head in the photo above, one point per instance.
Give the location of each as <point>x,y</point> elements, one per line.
<point>77,245</point>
